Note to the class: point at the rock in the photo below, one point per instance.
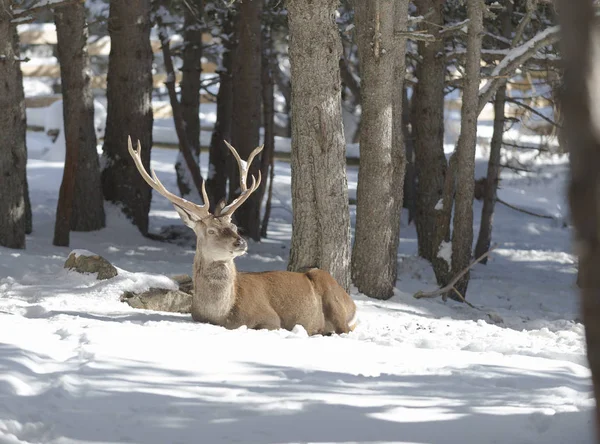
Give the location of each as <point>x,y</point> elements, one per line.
<point>83,261</point>
<point>160,299</point>
<point>163,299</point>
<point>185,282</point>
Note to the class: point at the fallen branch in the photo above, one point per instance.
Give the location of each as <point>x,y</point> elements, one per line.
<point>455,279</point>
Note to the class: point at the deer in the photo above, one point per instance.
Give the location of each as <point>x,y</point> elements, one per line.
<point>268,300</point>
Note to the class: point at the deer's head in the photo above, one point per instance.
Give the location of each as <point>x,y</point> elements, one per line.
<point>217,237</point>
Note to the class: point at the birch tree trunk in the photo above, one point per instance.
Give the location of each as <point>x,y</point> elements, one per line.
<point>13,152</point>
<point>462,233</point>
<point>129,96</point>
<point>321,222</point>
<point>382,160</point>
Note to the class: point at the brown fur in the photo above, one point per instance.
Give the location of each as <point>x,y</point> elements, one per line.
<point>271,300</point>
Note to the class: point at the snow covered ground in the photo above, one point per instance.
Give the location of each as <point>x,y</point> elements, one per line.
<point>78,366</point>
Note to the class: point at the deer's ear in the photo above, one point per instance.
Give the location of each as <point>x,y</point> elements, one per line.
<point>189,219</point>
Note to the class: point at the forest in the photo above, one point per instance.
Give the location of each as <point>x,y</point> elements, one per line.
<point>380,214</point>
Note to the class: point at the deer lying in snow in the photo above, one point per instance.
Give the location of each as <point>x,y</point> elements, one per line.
<point>269,300</point>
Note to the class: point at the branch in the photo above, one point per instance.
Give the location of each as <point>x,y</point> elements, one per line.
<point>455,27</point>
<point>350,81</point>
<point>524,22</point>
<point>455,279</point>
<point>513,60</point>
<point>184,145</point>
<point>533,111</point>
<point>415,35</point>
<point>522,210</point>
<point>41,6</point>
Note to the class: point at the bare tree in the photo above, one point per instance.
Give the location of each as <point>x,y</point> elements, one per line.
<point>382,160</point>
<point>582,66</point>
<point>13,153</point>
<point>484,239</point>
<point>129,95</point>
<point>268,99</point>
<point>462,228</point>
<point>246,115</point>
<point>80,203</point>
<point>190,88</point>
<point>428,127</point>
<point>321,222</point>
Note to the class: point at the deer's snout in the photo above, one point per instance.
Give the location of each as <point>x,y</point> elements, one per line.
<point>240,243</point>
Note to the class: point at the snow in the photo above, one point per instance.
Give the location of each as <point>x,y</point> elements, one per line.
<point>79,366</point>
<point>515,53</point>
<point>445,253</point>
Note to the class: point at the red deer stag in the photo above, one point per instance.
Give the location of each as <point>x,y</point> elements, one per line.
<point>268,300</point>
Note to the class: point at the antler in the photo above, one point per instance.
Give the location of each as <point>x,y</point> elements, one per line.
<point>198,210</point>
<point>243,166</point>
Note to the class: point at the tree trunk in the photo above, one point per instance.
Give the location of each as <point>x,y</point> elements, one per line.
<point>583,142</point>
<point>216,180</point>
<point>321,221</point>
<point>81,191</point>
<point>382,161</point>
<point>268,99</point>
<point>129,95</point>
<point>246,117</point>
<point>410,178</point>
<point>430,161</point>
<point>462,232</point>
<point>484,240</point>
<point>13,153</point>
<point>190,89</point>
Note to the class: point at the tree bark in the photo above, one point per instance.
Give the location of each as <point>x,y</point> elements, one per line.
<point>579,100</point>
<point>216,180</point>
<point>129,95</point>
<point>462,233</point>
<point>382,160</point>
<point>190,88</point>
<point>268,100</point>
<point>13,152</point>
<point>80,204</point>
<point>430,161</point>
<point>321,221</point>
<point>484,240</point>
<point>246,116</point>
<point>410,177</point>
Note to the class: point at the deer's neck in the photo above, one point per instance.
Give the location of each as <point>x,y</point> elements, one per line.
<point>214,290</point>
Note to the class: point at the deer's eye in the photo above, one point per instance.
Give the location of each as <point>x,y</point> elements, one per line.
<point>212,231</point>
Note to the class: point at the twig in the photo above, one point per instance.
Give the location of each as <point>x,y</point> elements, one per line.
<point>533,111</point>
<point>450,286</point>
<point>415,35</point>
<point>522,210</point>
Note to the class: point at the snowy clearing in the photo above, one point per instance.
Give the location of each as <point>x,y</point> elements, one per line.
<point>78,366</point>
